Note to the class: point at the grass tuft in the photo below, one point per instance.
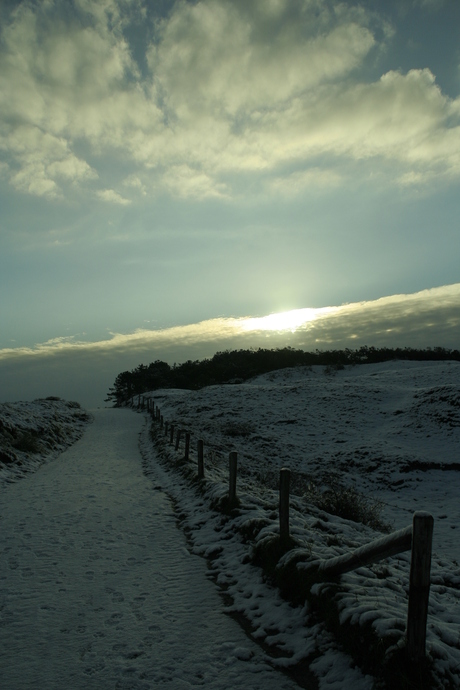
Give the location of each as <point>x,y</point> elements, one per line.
<point>27,443</point>
<point>349,504</point>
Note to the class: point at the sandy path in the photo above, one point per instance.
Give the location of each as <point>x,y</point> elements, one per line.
<point>97,588</point>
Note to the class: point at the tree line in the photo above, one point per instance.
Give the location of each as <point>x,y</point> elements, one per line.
<point>236,366</point>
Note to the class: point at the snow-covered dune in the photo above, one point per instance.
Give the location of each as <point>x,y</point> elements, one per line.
<point>388,433</point>
<point>32,433</point>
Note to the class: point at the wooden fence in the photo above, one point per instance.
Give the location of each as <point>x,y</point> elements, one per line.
<point>416,538</point>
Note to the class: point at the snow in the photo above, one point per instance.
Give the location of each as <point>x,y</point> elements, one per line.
<point>98,588</point>
<point>35,432</point>
<point>101,590</point>
<point>373,428</point>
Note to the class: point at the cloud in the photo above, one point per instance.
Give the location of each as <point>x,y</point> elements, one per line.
<point>61,80</point>
<point>429,317</point>
<point>426,318</point>
<point>249,99</point>
<point>190,183</point>
<point>212,57</point>
<point>41,161</point>
<point>135,182</point>
<point>227,87</point>
<point>82,370</point>
<point>111,196</point>
<point>312,179</point>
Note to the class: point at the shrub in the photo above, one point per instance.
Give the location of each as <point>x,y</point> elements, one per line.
<point>8,458</point>
<point>27,443</point>
<point>235,429</point>
<point>332,369</point>
<point>347,503</point>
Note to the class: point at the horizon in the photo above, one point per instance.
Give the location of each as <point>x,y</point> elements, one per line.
<point>84,370</point>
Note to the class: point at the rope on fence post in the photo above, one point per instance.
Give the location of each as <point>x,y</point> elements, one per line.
<point>233,461</point>
<point>187,445</point>
<point>419,585</point>
<point>285,476</point>
<point>200,459</point>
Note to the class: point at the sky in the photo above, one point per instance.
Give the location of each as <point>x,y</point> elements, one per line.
<point>171,171</point>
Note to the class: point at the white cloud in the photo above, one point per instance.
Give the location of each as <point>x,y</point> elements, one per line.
<point>189,183</point>
<point>135,182</point>
<point>43,160</point>
<point>71,168</point>
<point>60,82</point>
<point>233,86</point>
<point>297,182</point>
<point>32,178</point>
<point>112,197</point>
<point>241,101</point>
<point>210,59</point>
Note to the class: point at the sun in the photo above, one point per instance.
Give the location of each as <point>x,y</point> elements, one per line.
<point>282,321</point>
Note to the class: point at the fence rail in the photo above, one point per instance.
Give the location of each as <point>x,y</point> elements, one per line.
<point>416,538</point>
<point>375,551</point>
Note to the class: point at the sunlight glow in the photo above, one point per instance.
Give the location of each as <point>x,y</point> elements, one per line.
<point>286,320</point>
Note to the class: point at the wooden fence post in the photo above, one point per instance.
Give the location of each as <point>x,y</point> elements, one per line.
<point>178,435</point>
<point>200,459</point>
<point>166,428</point>
<point>285,476</point>
<point>187,445</point>
<point>161,421</point>
<point>171,434</point>
<point>419,585</point>
<point>233,461</point>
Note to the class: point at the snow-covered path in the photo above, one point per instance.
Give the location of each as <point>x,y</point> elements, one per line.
<point>97,587</point>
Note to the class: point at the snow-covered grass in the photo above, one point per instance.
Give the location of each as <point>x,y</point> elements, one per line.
<point>32,433</point>
<point>386,435</point>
